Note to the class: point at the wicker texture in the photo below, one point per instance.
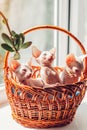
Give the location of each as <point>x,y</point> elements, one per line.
<point>43,108</point>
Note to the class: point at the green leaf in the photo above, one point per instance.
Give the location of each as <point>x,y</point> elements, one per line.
<point>26,45</point>
<point>17,46</point>
<point>16,38</point>
<point>16,56</point>
<point>13,33</point>
<point>17,41</point>
<point>22,37</point>
<point>6,47</point>
<point>7,39</point>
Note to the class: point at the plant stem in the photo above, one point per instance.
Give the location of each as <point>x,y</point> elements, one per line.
<point>8,27</point>
<point>6,22</point>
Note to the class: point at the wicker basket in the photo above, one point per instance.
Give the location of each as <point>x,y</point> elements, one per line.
<point>43,108</point>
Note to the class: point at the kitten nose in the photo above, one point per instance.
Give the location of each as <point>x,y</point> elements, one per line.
<point>28,75</point>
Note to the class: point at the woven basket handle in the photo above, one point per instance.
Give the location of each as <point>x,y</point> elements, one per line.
<point>53,28</point>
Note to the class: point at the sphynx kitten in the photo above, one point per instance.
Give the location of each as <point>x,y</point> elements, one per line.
<point>45,59</point>
<point>24,75</point>
<point>73,70</point>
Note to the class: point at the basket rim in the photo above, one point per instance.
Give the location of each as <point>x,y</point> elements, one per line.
<point>45,89</point>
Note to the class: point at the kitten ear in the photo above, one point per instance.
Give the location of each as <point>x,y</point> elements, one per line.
<point>70,59</point>
<point>35,52</point>
<point>53,50</point>
<point>14,64</point>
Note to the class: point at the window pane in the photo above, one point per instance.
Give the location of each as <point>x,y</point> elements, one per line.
<point>78,24</point>
<point>23,15</point>
<point>82,22</point>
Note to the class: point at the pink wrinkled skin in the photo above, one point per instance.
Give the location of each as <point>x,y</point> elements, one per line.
<point>74,69</point>
<point>23,74</point>
<point>45,59</point>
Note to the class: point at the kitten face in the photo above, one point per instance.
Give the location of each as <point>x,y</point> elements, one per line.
<point>43,58</point>
<point>77,68</point>
<point>22,72</point>
<point>46,58</point>
<point>73,64</point>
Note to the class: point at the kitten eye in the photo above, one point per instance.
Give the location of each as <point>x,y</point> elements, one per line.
<point>24,70</point>
<point>45,54</point>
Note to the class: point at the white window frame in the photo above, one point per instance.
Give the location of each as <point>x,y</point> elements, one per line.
<point>61,18</point>
<point>73,24</point>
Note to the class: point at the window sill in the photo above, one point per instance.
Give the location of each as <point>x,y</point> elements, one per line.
<point>3,97</point>
<point>79,122</point>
